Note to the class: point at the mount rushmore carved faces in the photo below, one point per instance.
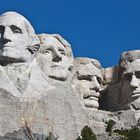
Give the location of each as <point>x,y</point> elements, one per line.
<point>88,81</point>
<point>16,36</point>
<point>55,56</point>
<point>130,64</point>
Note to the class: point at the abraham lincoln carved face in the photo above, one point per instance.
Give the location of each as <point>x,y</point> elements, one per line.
<point>130,63</point>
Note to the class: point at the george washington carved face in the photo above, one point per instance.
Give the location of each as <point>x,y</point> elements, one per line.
<point>15,37</point>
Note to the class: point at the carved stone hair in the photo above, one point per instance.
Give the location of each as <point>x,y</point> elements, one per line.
<point>84,61</point>
<point>60,39</point>
<point>128,57</point>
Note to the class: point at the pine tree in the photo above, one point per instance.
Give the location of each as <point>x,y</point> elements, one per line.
<point>87,134</point>
<point>51,137</point>
<point>134,133</point>
<point>110,125</point>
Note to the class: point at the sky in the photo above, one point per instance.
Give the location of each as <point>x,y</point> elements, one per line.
<point>99,29</point>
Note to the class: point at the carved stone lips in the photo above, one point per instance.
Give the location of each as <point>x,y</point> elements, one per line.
<point>135,95</point>
<point>56,66</point>
<point>53,66</point>
<point>91,103</point>
<point>93,96</point>
<point>7,47</point>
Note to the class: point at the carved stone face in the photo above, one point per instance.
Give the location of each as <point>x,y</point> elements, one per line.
<point>88,84</point>
<point>53,59</point>
<point>131,84</point>
<point>14,38</point>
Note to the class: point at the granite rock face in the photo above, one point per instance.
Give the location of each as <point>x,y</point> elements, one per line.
<point>45,90</point>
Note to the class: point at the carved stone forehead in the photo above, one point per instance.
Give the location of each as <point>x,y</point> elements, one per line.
<point>128,57</point>
<point>87,66</point>
<point>133,66</point>
<point>84,61</point>
<point>14,18</point>
<point>55,38</point>
<point>46,39</point>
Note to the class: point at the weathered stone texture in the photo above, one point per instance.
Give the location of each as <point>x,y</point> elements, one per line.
<point>45,90</point>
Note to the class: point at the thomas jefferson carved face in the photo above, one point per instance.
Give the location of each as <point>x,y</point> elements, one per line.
<point>15,37</point>
<point>54,59</point>
<point>131,84</point>
<point>88,81</point>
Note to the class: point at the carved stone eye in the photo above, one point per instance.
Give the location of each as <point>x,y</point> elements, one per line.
<point>99,80</point>
<point>62,52</point>
<point>16,29</point>
<point>137,74</point>
<point>85,77</point>
<point>1,30</point>
<point>47,51</point>
<point>127,76</point>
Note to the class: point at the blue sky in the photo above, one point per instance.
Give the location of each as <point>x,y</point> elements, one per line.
<point>100,29</point>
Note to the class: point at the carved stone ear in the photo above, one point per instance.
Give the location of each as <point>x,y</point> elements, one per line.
<point>34,45</point>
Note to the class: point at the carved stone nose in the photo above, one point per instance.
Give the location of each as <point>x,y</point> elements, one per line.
<point>56,58</point>
<point>4,41</point>
<point>5,37</point>
<point>6,34</point>
<point>94,84</point>
<point>95,88</point>
<point>134,82</point>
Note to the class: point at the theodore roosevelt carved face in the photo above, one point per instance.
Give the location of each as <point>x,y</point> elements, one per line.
<point>16,35</point>
<point>88,81</point>
<point>55,57</point>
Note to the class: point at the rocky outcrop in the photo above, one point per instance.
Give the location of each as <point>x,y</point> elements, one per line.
<point>45,91</point>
